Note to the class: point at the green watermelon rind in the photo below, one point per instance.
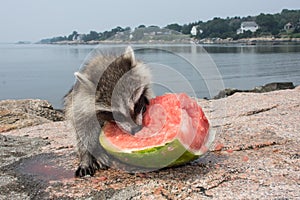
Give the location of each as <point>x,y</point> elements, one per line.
<point>171,154</point>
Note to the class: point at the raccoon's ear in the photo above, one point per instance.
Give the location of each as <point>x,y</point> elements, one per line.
<point>129,54</point>
<point>84,80</point>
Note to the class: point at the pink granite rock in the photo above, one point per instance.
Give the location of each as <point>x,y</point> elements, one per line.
<point>256,156</point>
<point>16,114</point>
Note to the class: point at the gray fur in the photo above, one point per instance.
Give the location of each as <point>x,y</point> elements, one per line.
<point>106,84</point>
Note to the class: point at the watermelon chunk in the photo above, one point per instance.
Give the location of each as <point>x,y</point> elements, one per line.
<point>175,132</point>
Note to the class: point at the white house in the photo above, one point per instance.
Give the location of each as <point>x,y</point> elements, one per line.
<point>195,30</point>
<point>288,26</point>
<point>248,26</point>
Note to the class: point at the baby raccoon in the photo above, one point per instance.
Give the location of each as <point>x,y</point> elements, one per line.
<point>107,88</point>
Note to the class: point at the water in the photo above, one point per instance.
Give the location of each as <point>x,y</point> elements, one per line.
<point>46,71</point>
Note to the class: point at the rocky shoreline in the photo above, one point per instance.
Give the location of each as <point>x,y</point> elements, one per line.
<point>255,155</point>
<point>251,41</point>
<point>16,114</point>
<point>259,89</point>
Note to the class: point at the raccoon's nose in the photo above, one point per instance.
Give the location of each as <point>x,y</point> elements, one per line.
<point>136,129</point>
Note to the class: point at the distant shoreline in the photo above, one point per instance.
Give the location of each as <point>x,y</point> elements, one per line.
<point>252,41</point>
<point>247,41</point>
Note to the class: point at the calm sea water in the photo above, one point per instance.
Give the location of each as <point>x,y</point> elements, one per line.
<point>46,71</point>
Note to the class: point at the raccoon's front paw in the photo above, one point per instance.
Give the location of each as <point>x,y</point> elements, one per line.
<point>84,171</point>
<point>89,169</point>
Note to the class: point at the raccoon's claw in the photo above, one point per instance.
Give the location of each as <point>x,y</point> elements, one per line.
<point>102,166</point>
<point>84,170</point>
<point>87,169</point>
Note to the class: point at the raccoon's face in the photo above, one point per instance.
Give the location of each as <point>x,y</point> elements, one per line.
<point>128,113</point>
<point>130,117</point>
<point>130,94</point>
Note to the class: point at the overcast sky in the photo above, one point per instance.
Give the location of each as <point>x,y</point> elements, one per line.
<point>32,20</point>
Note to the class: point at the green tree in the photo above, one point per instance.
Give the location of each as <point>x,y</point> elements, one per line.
<point>141,26</point>
<point>186,29</point>
<point>234,23</point>
<point>175,27</point>
<point>117,29</point>
<point>93,35</point>
<point>292,16</point>
<point>297,28</point>
<point>108,34</point>
<point>267,23</point>
<point>216,28</point>
<point>127,28</point>
<point>58,39</point>
<point>73,35</point>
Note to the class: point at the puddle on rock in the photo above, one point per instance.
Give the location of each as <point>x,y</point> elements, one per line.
<point>44,168</point>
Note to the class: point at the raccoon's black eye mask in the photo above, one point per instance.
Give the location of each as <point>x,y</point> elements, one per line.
<point>109,116</point>
<point>140,105</point>
<point>105,115</point>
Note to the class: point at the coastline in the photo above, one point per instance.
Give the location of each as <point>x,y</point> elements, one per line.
<point>253,41</point>
<point>245,41</point>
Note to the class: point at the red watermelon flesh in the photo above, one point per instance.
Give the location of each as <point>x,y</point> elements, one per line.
<point>167,117</point>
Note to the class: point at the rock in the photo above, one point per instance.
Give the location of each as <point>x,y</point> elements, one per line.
<point>273,87</point>
<point>227,92</point>
<point>260,89</point>
<point>22,113</point>
<point>255,156</point>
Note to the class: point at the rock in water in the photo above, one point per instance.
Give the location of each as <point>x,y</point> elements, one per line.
<point>260,89</point>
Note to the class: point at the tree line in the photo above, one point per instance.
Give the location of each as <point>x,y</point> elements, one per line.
<point>269,24</point>
<point>92,35</point>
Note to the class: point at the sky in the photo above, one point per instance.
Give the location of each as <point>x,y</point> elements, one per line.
<point>32,20</point>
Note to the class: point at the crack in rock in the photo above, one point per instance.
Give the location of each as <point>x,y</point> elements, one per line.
<point>254,112</point>
<point>255,146</point>
<point>205,190</point>
<point>249,147</point>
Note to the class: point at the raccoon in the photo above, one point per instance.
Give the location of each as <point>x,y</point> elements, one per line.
<point>107,88</point>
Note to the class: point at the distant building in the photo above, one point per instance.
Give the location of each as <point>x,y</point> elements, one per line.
<point>248,26</point>
<point>195,30</point>
<point>288,26</point>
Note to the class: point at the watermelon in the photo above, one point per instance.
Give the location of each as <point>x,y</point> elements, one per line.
<point>175,131</point>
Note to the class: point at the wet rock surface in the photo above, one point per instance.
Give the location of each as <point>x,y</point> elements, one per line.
<point>256,155</point>
<point>16,114</point>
